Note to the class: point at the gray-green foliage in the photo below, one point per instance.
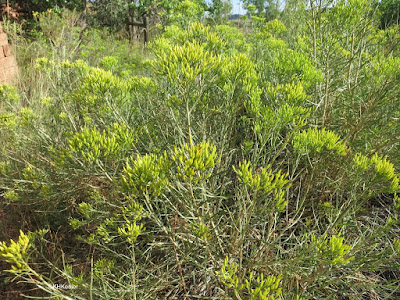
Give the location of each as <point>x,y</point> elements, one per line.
<point>354,56</point>
<point>211,175</point>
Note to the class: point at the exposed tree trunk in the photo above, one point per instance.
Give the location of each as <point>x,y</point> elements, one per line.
<point>146,28</point>
<point>84,13</point>
<point>133,29</point>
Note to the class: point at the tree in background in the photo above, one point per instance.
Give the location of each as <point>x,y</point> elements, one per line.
<point>184,12</point>
<point>294,16</point>
<point>30,6</point>
<point>110,13</point>
<point>116,13</point>
<point>268,9</point>
<point>220,10</point>
<point>390,13</point>
<point>258,4</point>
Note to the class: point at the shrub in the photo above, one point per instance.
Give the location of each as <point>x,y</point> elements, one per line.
<point>209,173</point>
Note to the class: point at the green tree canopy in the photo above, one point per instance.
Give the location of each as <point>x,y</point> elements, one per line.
<point>42,5</point>
<point>265,8</point>
<point>219,10</point>
<point>114,13</point>
<point>390,12</point>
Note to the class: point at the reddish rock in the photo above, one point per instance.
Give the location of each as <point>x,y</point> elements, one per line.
<point>7,50</point>
<point>9,75</point>
<point>8,63</point>
<point>3,39</point>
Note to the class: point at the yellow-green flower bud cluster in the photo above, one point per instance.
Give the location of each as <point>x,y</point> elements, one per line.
<point>145,175</point>
<point>132,214</point>
<point>8,93</point>
<point>383,169</point>
<point>332,250</point>
<point>183,64</point>
<point>131,231</point>
<point>258,288</point>
<point>396,244</point>
<point>201,230</point>
<point>319,140</point>
<point>16,253</point>
<point>288,93</point>
<point>94,145</point>
<point>195,162</point>
<point>265,182</point>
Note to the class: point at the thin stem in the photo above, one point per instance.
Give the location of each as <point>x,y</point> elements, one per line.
<point>133,271</point>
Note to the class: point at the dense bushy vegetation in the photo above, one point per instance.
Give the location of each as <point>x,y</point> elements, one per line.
<point>250,161</point>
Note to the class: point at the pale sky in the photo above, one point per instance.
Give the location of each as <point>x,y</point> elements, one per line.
<point>237,7</point>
